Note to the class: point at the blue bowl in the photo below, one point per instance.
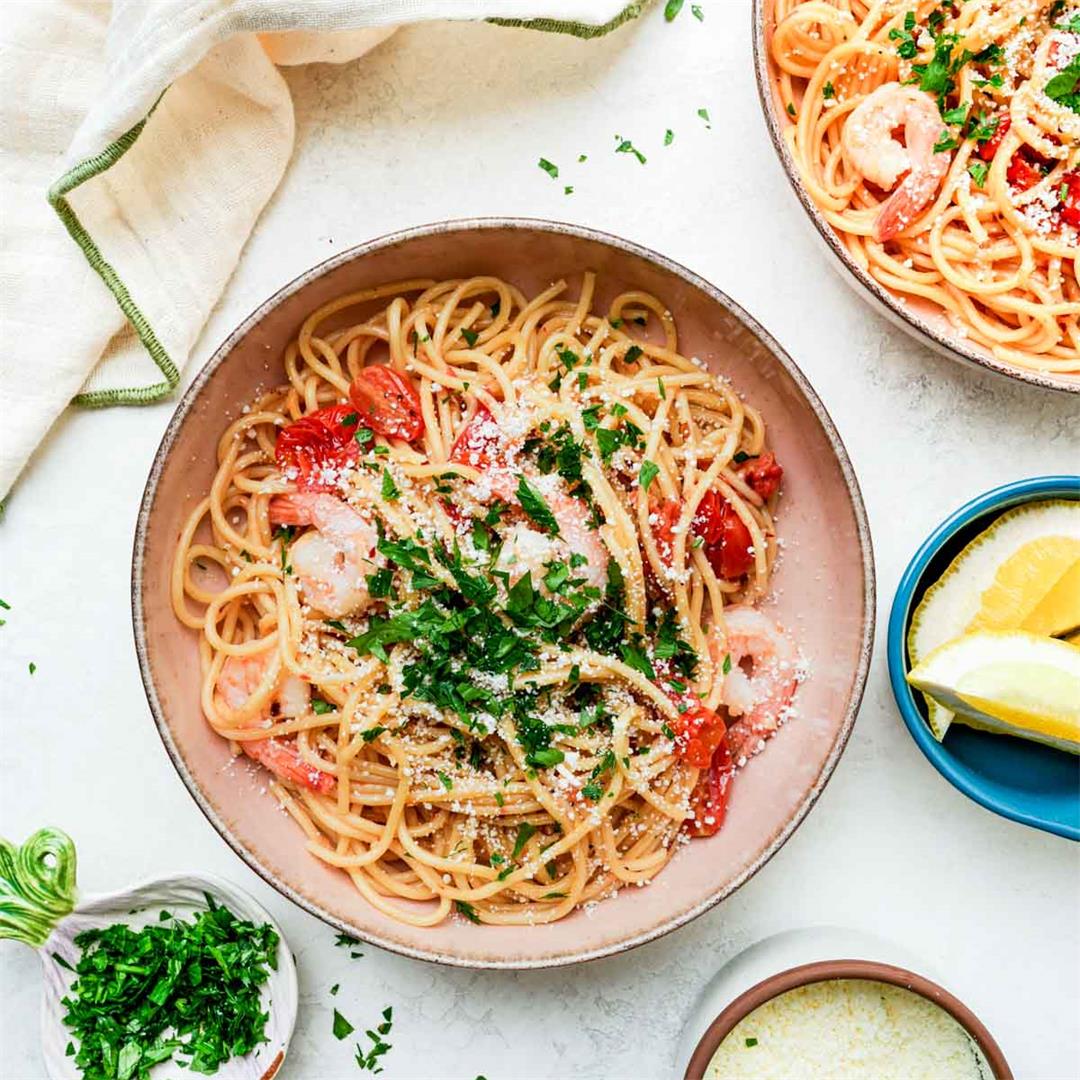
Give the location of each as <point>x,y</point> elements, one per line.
<point>1030,783</point>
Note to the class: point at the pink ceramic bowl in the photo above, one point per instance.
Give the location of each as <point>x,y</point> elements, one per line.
<point>824,595</point>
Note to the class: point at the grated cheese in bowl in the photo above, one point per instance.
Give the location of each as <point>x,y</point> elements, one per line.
<point>842,1028</point>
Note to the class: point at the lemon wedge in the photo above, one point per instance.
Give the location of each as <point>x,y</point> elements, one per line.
<point>1008,681</point>
<point>1058,612</point>
<point>996,582</point>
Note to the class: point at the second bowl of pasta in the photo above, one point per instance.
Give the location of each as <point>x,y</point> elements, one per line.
<point>936,149</point>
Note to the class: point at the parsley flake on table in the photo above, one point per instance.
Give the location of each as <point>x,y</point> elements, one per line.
<point>672,8</point>
<point>551,169</point>
<point>695,10</point>
<point>669,137</point>
<point>625,146</point>
<point>342,1028</point>
<point>369,1061</point>
<point>704,114</point>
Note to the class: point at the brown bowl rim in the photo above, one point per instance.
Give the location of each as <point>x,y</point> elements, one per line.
<point>881,298</point>
<point>221,354</point>
<point>828,971</point>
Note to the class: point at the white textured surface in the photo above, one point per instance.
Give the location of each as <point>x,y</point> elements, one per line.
<point>447,121</point>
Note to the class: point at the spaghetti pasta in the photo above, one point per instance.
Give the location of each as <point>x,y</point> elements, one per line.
<point>985,221</point>
<point>476,585</point>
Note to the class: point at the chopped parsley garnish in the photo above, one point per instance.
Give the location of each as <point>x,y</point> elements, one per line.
<point>532,502</point>
<point>704,114</point>
<point>1062,88</point>
<point>446,781</point>
<point>524,835</point>
<point>978,171</point>
<point>695,10</point>
<point>672,8</point>
<point>568,190</point>
<point>33,667</point>
<point>669,137</point>
<point>173,990</point>
<point>647,474</point>
<point>320,707</point>
<point>790,109</point>
<point>549,168</point>
<point>828,92</point>
<point>907,46</point>
<point>470,336</point>
<point>467,910</point>
<point>945,142</point>
<point>390,491</point>
<point>751,1041</point>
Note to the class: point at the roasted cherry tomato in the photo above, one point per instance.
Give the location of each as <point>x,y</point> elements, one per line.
<point>478,443</point>
<point>309,449</point>
<point>1070,206</point>
<point>708,803</point>
<point>988,149</point>
<point>728,546</point>
<point>698,734</point>
<point>762,474</point>
<point>1022,172</point>
<point>387,403</point>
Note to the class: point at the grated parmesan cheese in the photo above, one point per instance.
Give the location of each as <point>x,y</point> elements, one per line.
<point>848,1028</point>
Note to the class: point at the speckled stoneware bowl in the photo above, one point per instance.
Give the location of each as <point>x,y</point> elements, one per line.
<point>824,589</point>
<point>920,318</point>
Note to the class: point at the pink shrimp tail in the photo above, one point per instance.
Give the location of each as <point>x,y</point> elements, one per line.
<point>291,510</point>
<point>284,760</point>
<point>910,199</point>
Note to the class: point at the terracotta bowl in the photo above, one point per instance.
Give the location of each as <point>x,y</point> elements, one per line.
<point>826,970</point>
<point>920,318</point>
<point>824,595</point>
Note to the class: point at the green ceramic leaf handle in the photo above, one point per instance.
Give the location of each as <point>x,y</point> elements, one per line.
<point>37,885</point>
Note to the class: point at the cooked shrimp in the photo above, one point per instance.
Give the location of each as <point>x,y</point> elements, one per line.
<point>761,677</point>
<point>527,550</point>
<point>873,150</point>
<point>484,446</point>
<point>238,686</point>
<point>331,562</point>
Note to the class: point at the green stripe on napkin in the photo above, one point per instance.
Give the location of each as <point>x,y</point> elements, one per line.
<point>102,162</point>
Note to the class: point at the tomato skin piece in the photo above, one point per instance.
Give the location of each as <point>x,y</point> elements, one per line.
<point>667,514</point>
<point>1022,174</point>
<point>387,403</point>
<point>698,734</point>
<point>478,443</point>
<point>1070,208</point>
<point>322,438</point>
<point>762,474</point>
<point>709,799</point>
<point>988,149</point>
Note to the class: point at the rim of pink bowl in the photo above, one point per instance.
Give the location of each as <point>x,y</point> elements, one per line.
<point>220,356</point>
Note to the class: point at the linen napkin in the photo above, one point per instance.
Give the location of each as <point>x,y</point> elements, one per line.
<point>158,129</point>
